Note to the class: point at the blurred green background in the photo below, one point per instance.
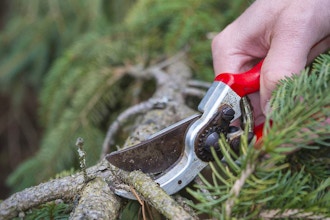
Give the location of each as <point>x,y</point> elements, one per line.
<point>60,77</point>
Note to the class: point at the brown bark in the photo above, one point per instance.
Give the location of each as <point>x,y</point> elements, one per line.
<point>65,188</point>
<point>97,202</point>
<point>153,194</point>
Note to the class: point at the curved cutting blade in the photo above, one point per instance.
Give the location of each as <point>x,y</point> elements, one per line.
<point>156,154</point>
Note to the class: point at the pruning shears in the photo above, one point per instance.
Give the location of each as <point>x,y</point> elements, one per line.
<point>175,155</point>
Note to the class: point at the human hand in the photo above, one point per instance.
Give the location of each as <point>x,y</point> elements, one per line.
<point>287,34</point>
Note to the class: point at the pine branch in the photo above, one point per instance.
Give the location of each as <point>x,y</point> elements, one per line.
<point>237,187</point>
<point>29,51</point>
<point>301,100</point>
<point>270,182</point>
<point>178,32</point>
<point>92,91</point>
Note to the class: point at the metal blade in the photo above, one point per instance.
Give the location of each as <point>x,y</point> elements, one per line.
<point>156,154</point>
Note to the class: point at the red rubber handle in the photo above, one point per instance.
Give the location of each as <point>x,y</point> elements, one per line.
<point>242,83</point>
<point>258,131</point>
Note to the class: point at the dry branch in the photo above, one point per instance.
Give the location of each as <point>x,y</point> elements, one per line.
<point>153,194</point>
<point>65,188</point>
<point>290,214</point>
<point>140,108</point>
<point>97,202</point>
<point>171,84</point>
<point>172,78</point>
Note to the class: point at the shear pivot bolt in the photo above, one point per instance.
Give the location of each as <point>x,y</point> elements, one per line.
<point>212,141</point>
<point>228,114</point>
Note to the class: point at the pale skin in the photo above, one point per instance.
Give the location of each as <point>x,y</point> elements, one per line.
<point>287,34</point>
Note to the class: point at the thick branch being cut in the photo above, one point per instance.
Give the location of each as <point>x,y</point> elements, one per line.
<point>153,194</point>
<point>97,202</point>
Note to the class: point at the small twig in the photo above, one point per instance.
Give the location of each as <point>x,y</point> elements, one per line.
<point>199,84</point>
<point>170,60</point>
<point>156,70</point>
<point>211,35</point>
<point>140,201</point>
<point>235,190</point>
<point>82,157</point>
<point>194,92</point>
<point>159,75</point>
<point>294,213</point>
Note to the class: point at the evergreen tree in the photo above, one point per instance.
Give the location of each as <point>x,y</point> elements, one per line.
<point>289,176</point>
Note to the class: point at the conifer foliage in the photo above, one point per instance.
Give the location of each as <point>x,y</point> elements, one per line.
<point>78,57</point>
<point>33,35</point>
<point>289,177</point>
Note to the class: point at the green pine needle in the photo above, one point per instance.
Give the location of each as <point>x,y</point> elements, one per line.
<point>279,182</point>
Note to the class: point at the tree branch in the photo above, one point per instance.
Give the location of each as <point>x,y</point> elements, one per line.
<point>96,195</point>
<point>97,202</point>
<point>135,110</point>
<point>152,193</point>
<point>65,188</point>
<point>235,190</point>
<point>290,213</point>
